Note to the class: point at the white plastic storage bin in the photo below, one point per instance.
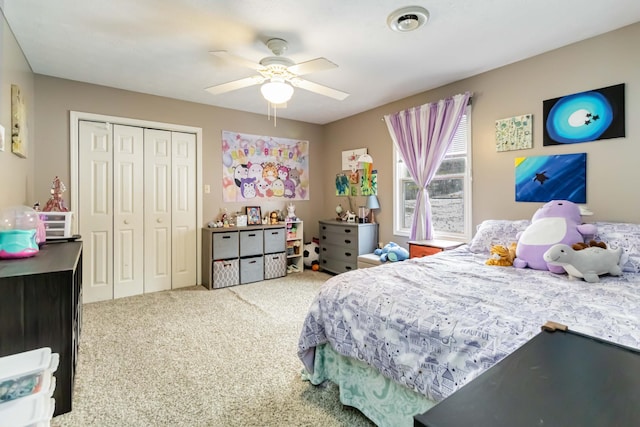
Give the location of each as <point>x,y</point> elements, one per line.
<point>31,411</point>
<point>26,373</point>
<point>57,224</point>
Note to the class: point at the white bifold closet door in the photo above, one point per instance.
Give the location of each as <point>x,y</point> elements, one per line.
<point>137,210</point>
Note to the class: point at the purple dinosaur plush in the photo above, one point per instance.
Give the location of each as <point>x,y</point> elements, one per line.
<point>558,221</point>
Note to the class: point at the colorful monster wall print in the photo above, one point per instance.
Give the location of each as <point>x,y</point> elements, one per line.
<point>262,167</point>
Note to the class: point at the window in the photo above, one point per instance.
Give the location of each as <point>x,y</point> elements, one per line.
<point>449,191</point>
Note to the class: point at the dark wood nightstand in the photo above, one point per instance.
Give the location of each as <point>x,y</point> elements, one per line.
<point>420,248</point>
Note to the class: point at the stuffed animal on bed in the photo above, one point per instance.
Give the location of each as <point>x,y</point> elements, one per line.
<point>392,252</point>
<point>588,263</point>
<point>502,256</point>
<point>558,221</point>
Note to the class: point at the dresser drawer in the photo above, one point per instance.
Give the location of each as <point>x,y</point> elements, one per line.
<point>348,255</point>
<point>274,240</point>
<point>225,245</point>
<point>345,238</point>
<point>251,242</point>
<point>337,266</point>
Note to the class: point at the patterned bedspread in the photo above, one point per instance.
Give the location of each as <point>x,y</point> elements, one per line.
<point>435,323</point>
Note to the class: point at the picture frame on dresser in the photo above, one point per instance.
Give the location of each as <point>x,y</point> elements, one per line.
<point>254,216</point>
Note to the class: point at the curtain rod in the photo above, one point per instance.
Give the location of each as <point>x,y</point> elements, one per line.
<point>468,103</point>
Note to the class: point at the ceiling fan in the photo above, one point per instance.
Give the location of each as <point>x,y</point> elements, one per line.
<point>278,75</point>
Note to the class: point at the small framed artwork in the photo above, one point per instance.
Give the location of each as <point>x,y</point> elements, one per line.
<point>254,216</point>
<point>350,158</point>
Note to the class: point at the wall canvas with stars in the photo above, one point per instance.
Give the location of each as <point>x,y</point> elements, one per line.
<point>546,178</point>
<point>585,116</point>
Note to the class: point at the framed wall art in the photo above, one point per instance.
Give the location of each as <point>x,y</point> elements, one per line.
<point>585,116</point>
<point>546,178</point>
<point>18,123</point>
<point>514,133</point>
<point>254,216</point>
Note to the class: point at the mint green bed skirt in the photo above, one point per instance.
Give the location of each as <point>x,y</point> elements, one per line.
<point>383,401</point>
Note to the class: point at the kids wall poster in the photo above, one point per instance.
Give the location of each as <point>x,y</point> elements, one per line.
<point>262,167</point>
<point>585,116</point>
<point>546,178</point>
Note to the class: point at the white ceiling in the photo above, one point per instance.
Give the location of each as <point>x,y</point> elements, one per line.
<point>161,47</point>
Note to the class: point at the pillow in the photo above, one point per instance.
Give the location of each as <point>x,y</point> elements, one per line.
<point>496,232</point>
<point>622,235</point>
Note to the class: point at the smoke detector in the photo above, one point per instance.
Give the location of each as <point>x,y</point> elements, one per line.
<point>408,19</point>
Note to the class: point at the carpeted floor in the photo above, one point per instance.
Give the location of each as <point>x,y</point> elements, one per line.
<point>194,357</point>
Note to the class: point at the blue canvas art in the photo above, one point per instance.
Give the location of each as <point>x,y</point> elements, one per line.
<point>585,116</point>
<point>546,178</point>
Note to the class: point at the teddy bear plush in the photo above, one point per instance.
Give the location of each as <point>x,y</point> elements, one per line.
<point>392,252</point>
<point>502,256</point>
<point>557,221</point>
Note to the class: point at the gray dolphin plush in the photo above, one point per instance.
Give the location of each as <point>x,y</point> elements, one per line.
<point>588,263</point>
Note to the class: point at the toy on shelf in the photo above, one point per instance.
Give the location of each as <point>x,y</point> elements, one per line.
<point>291,212</point>
<point>56,202</point>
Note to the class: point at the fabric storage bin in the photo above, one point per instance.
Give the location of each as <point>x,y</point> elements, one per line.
<point>251,269</point>
<point>27,373</point>
<point>251,243</point>
<point>225,245</point>
<point>274,240</point>
<point>225,273</point>
<point>275,265</point>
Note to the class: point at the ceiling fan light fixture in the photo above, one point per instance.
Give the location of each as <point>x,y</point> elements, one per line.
<point>276,92</point>
<point>408,19</point>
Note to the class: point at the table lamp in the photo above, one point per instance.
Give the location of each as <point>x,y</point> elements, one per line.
<point>372,203</point>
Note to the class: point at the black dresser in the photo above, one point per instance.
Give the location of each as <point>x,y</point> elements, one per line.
<point>556,379</point>
<point>41,306</point>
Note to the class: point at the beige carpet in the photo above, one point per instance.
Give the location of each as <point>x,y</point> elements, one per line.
<point>194,357</point>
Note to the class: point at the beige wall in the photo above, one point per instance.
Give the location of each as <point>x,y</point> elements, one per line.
<point>16,174</point>
<point>511,90</point>
<point>612,165</point>
<point>56,97</point>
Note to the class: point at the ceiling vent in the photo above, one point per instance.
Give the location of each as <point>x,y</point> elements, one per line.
<point>408,19</point>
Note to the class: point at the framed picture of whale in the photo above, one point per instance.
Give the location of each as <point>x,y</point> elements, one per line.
<point>586,116</point>
<point>556,177</point>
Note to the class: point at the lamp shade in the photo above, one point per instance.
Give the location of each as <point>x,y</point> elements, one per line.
<point>372,202</point>
<point>276,92</point>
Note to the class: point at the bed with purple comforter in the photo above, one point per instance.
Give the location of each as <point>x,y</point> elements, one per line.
<point>427,326</point>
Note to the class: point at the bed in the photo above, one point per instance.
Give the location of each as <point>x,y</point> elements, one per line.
<point>401,337</point>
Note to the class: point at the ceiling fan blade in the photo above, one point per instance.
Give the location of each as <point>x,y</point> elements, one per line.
<point>312,66</point>
<point>320,89</point>
<point>236,84</point>
<point>223,54</point>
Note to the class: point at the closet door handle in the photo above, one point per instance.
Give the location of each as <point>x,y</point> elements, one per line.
<point>126,221</point>
<point>159,220</point>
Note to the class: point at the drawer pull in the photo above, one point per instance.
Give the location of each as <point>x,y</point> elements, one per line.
<point>226,237</point>
<point>347,254</point>
<point>252,235</point>
<point>347,241</point>
<point>347,230</point>
<point>324,228</point>
<point>252,262</point>
<point>324,261</point>
<point>347,267</point>
<point>324,237</point>
<point>324,249</point>
<point>274,233</point>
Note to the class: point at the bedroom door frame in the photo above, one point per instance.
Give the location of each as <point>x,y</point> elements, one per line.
<point>76,116</point>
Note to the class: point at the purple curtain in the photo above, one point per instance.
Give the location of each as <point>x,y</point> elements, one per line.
<point>422,136</point>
